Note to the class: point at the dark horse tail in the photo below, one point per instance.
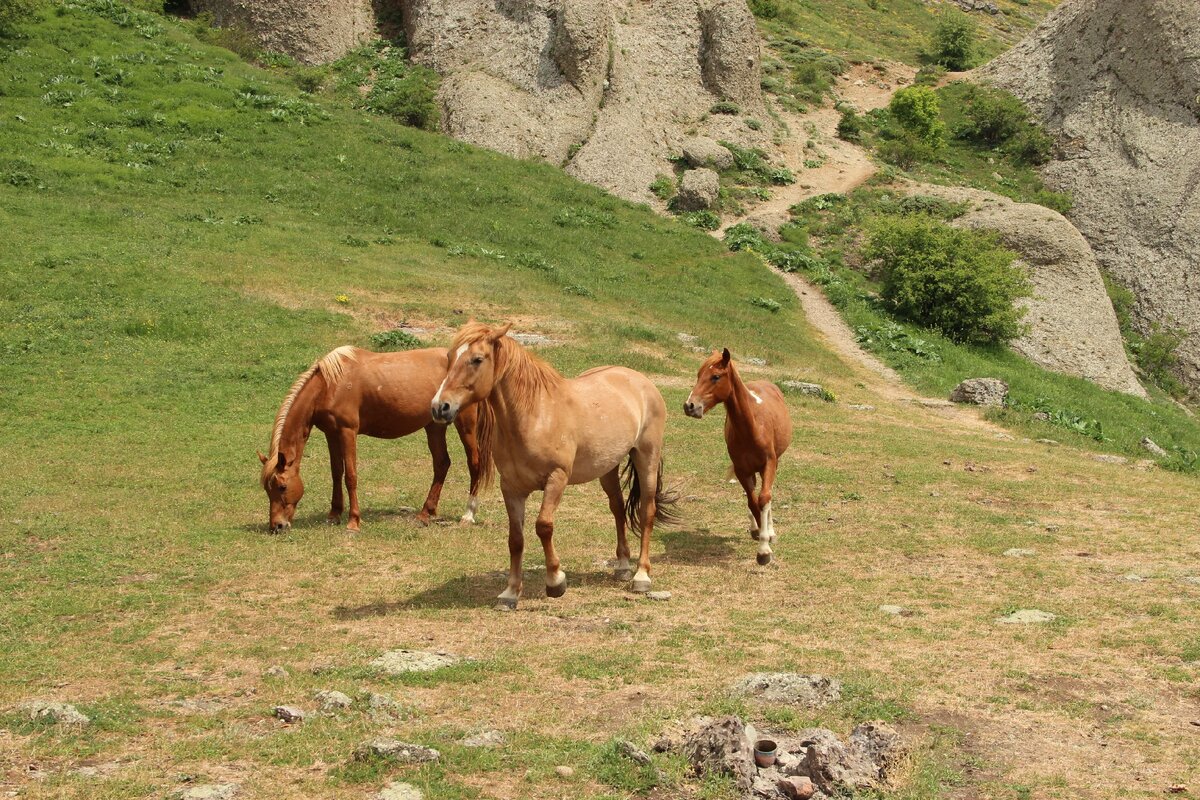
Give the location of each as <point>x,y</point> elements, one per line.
<point>665,500</point>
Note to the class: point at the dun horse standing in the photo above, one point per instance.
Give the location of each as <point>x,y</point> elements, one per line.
<point>758,430</point>
<point>546,432</point>
<point>350,392</point>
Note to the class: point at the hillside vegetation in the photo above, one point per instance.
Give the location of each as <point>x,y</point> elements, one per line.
<point>187,232</point>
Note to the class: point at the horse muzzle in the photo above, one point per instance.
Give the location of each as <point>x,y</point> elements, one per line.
<point>444,411</point>
<point>695,410</point>
<point>280,526</point>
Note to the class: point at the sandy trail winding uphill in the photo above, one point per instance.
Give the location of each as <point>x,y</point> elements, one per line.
<point>845,165</point>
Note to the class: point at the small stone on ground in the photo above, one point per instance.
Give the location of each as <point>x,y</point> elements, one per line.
<point>332,700</point>
<point>276,671</point>
<point>399,790</point>
<point>980,392</point>
<point>893,610</point>
<point>395,749</point>
<point>1133,577</point>
<point>1019,552</point>
<point>399,662</point>
<point>206,791</point>
<point>290,714</point>
<point>59,713</point>
<point>808,691</point>
<point>1026,616</point>
<point>485,739</point>
<point>564,771</point>
<point>658,595</point>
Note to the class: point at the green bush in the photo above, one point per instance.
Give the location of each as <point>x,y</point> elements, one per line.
<point>991,116</point>
<point>917,110</point>
<point>704,220</point>
<point>953,44</point>
<point>725,107</point>
<point>13,12</point>
<point>906,151</point>
<point>850,127</point>
<point>663,187</point>
<point>744,236</point>
<point>395,339</point>
<point>409,96</point>
<point>1155,357</point>
<point>961,283</point>
<point>1032,146</point>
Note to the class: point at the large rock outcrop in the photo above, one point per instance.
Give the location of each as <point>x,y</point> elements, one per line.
<point>314,32</point>
<point>608,88</point>
<point>1119,84</point>
<point>1072,326</point>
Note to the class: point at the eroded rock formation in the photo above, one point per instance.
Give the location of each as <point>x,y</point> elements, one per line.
<point>1119,84</point>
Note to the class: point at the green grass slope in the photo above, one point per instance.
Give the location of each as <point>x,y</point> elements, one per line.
<point>186,233</point>
<point>897,30</point>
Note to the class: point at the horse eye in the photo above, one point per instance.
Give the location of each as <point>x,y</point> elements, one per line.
<point>477,360</point>
<point>716,378</point>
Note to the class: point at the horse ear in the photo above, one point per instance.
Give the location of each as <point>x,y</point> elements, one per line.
<point>725,357</point>
<point>281,463</point>
<point>261,457</point>
<point>498,333</point>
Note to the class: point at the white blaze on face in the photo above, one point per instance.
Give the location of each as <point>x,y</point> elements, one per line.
<point>757,399</point>
<point>437,397</point>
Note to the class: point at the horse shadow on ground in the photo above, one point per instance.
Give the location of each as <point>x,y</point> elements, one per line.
<point>696,546</point>
<point>478,590</point>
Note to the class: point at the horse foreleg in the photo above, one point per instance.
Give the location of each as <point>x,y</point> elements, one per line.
<point>350,457</point>
<point>747,482</point>
<point>464,422</point>
<point>337,465</point>
<point>556,578</point>
<point>611,483</point>
<point>515,505</point>
<point>436,436</point>
<point>766,533</point>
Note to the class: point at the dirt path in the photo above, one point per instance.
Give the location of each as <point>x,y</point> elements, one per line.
<point>846,166</point>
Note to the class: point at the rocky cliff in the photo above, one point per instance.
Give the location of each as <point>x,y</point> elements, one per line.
<point>313,32</point>
<point>1119,84</point>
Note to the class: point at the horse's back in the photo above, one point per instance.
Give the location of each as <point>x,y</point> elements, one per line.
<point>394,390</point>
<point>618,410</point>
<point>773,413</point>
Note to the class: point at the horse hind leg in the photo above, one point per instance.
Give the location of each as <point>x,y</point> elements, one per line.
<point>611,483</point>
<point>645,490</point>
<point>337,466</point>
<point>747,482</point>
<point>767,531</point>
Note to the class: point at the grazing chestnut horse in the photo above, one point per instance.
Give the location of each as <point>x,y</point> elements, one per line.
<point>758,430</point>
<point>546,431</point>
<point>350,392</point>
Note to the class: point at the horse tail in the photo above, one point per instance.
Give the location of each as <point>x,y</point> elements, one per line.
<point>665,500</point>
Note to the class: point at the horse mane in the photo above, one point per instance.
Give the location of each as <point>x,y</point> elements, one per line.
<point>331,365</point>
<point>528,377</point>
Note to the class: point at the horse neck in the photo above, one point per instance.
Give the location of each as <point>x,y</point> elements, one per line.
<point>738,406</point>
<point>514,394</point>
<point>298,422</point>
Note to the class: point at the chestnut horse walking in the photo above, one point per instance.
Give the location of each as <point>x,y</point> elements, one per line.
<point>350,392</point>
<point>546,431</point>
<point>758,430</point>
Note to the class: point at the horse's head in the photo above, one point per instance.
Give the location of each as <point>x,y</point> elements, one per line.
<point>470,370</point>
<point>712,385</point>
<point>281,480</point>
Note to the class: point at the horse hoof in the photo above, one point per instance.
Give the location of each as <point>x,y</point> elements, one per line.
<point>641,587</point>
<point>333,519</point>
<point>352,527</point>
<point>423,520</point>
<point>557,591</point>
<point>506,604</point>
<point>763,559</point>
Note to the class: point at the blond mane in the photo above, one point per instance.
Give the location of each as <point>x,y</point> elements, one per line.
<point>331,365</point>
<point>528,376</point>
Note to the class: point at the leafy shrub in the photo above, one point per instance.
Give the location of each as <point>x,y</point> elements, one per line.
<point>765,302</point>
<point>663,187</point>
<point>765,9</point>
<point>725,107</point>
<point>953,44</point>
<point>850,127</point>
<point>929,75</point>
<point>1155,357</point>
<point>793,260</point>
<point>1032,146</point>
<point>753,162</point>
<point>752,124</point>
<point>906,151</point>
<point>917,110</point>
<point>395,339</point>
<point>930,206</point>
<point>892,337</point>
<point>991,116</point>
<point>744,236</point>
<point>962,283</point>
<point>409,95</point>
<point>12,12</point>
<point>584,217</point>
<point>704,220</point>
